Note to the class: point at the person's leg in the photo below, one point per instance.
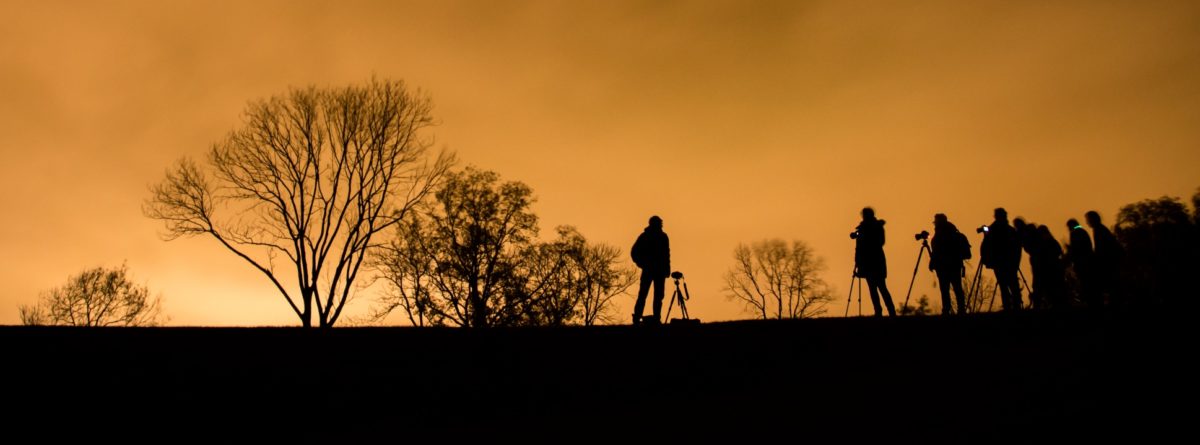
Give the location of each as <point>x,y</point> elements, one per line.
<point>1014,283</point>
<point>944,287</point>
<point>640,304</point>
<point>956,281</point>
<point>872,283</point>
<point>887,297</point>
<point>1005,291</point>
<point>660,285</point>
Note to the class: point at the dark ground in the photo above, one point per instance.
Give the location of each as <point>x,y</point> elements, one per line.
<point>1027,378</point>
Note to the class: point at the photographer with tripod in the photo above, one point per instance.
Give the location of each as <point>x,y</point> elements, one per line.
<point>949,249</point>
<point>652,253</point>
<point>869,260</point>
<point>1001,252</point>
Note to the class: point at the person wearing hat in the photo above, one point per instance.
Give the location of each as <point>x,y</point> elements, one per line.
<point>948,249</point>
<point>652,253</point>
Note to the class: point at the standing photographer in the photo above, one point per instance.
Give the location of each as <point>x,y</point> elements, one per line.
<point>1001,252</point>
<point>949,248</point>
<point>652,253</point>
<point>1083,259</point>
<point>1107,259</point>
<point>869,261</point>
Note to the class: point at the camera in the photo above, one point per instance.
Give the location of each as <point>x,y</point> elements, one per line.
<point>923,235</point>
<point>677,275</point>
<point>982,229</point>
<point>854,235</point>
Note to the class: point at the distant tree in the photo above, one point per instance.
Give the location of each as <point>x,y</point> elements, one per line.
<point>96,297</point>
<point>470,257</point>
<point>1160,249</point>
<point>308,180</point>
<point>922,308</point>
<point>777,280</point>
<point>1196,208</point>
<point>601,277</point>
<point>981,298</point>
<point>572,281</point>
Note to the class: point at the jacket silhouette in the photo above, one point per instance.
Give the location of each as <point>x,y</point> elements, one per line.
<point>948,249</point>
<point>1001,252</point>
<point>1049,271</point>
<point>1082,259</point>
<point>652,253</point>
<point>868,249</point>
<point>1108,254</point>
<point>870,262</point>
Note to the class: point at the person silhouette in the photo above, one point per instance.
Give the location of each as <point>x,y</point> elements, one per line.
<point>652,253</point>
<point>869,260</point>
<point>948,249</point>
<point>1027,235</point>
<point>1049,271</point>
<point>1001,252</point>
<point>1108,259</point>
<point>1082,259</point>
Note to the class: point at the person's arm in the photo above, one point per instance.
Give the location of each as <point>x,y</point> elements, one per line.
<point>667,251</point>
<point>931,244</point>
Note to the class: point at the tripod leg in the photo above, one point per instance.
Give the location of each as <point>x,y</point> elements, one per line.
<point>851,293</point>
<point>860,281</point>
<point>1028,290</point>
<point>992,300</point>
<point>672,303</point>
<point>914,275</point>
<point>975,287</point>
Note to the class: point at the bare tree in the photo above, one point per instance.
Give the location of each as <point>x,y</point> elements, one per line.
<point>981,297</point>
<point>570,281</point>
<point>470,257</point>
<point>601,278</point>
<point>922,308</point>
<point>777,280</point>
<point>308,180</point>
<point>96,297</point>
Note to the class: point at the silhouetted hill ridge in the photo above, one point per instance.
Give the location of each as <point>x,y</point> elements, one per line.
<point>988,376</point>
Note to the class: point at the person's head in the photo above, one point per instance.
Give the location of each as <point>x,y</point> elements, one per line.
<point>868,213</point>
<point>1019,223</point>
<point>1044,231</point>
<point>656,222</point>
<point>1093,218</point>
<point>1073,224</point>
<point>940,220</point>
<point>1000,214</point>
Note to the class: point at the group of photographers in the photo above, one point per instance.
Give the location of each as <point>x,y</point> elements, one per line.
<point>1094,264</point>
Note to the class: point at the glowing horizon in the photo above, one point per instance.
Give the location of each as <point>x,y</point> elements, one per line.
<point>734,122</point>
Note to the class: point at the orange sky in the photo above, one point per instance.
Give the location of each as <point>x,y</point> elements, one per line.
<point>734,121</point>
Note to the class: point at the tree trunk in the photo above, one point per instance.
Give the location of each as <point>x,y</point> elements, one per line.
<point>478,309</point>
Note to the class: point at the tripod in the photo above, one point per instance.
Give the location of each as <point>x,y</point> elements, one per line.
<point>976,288</point>
<point>924,248</point>
<point>853,276</point>
<point>1028,290</point>
<point>682,297</point>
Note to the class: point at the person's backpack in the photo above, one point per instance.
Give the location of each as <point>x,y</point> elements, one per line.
<point>964,246</point>
<point>638,252</point>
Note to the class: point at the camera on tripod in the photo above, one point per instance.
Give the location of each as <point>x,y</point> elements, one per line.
<point>921,236</point>
<point>983,229</point>
<point>682,298</point>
